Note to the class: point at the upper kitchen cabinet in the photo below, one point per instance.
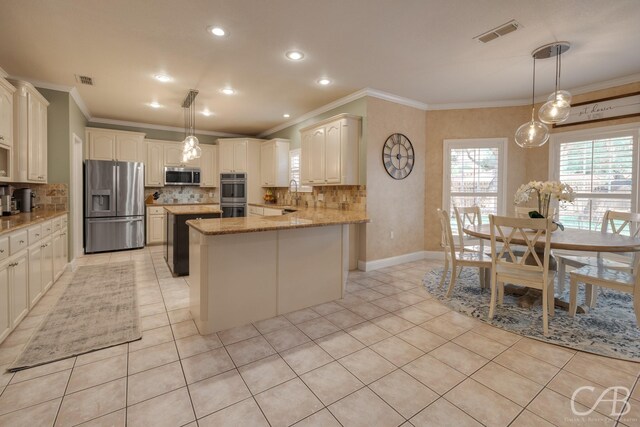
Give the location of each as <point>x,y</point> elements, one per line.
<point>154,164</point>
<point>108,144</point>
<point>29,134</point>
<point>274,160</point>
<point>232,153</point>
<point>330,151</point>
<point>6,129</point>
<point>173,156</point>
<point>209,176</point>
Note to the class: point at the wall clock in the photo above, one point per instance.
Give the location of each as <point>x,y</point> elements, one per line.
<point>398,156</point>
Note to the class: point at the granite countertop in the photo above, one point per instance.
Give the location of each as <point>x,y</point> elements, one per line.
<point>274,206</point>
<point>182,204</point>
<point>192,209</point>
<point>11,223</point>
<point>304,217</point>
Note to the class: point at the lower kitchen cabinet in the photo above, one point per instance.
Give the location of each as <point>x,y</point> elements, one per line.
<point>156,225</point>
<point>18,287</point>
<point>35,274</point>
<point>26,273</point>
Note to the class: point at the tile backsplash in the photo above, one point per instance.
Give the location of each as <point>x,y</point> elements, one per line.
<point>49,196</point>
<point>185,194</point>
<point>351,197</point>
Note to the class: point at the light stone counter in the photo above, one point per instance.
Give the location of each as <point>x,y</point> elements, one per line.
<point>242,270</point>
<point>11,223</point>
<point>192,209</point>
<point>304,217</point>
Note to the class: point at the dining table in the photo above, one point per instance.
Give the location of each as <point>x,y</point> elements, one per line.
<point>569,239</point>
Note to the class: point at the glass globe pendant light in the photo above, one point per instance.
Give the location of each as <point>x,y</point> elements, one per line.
<point>558,106</point>
<point>191,146</point>
<point>533,133</point>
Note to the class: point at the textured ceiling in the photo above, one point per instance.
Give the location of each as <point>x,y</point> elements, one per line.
<point>418,49</point>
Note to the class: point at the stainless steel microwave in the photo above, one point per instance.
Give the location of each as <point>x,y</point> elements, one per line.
<point>181,176</point>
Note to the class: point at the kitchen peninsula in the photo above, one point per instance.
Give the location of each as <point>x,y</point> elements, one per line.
<point>253,268</point>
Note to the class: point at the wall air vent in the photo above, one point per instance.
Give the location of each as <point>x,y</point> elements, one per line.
<point>500,31</point>
<point>85,80</point>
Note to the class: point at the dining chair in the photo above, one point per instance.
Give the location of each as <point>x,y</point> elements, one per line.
<point>593,276</point>
<point>469,215</point>
<point>459,258</point>
<point>531,268</point>
<point>617,222</point>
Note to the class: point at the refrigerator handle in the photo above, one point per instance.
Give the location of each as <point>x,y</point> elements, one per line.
<point>99,220</point>
<point>116,171</point>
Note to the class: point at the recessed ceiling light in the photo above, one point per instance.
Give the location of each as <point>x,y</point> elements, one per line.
<point>286,116</point>
<point>217,31</point>
<point>163,78</point>
<point>206,113</point>
<point>324,81</point>
<point>294,55</point>
<point>228,91</point>
<point>154,104</point>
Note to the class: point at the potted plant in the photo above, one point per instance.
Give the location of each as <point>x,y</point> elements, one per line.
<point>545,192</point>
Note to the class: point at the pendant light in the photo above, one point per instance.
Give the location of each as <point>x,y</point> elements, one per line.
<point>191,149</point>
<point>533,133</point>
<point>558,106</point>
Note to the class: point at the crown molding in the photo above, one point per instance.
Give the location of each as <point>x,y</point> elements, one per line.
<point>161,127</point>
<point>73,92</point>
<point>633,78</point>
<point>345,100</point>
<point>3,73</point>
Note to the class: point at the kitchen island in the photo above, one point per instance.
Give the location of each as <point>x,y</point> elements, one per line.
<point>253,268</point>
<point>177,248</point>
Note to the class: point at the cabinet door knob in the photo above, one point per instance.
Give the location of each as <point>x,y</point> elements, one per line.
<point>21,241</point>
<point>1,251</point>
<point>37,234</point>
<point>1,138</point>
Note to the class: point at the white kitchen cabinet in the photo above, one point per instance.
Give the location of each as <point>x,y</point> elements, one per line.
<point>330,151</point>
<point>156,225</point>
<point>5,316</point>
<point>232,153</point>
<point>29,134</point>
<point>6,113</point>
<point>154,164</point>
<point>59,257</point>
<point>272,212</point>
<point>274,163</point>
<point>47,263</point>
<point>209,176</point>
<point>173,156</point>
<point>109,144</point>
<point>35,274</point>
<point>18,288</point>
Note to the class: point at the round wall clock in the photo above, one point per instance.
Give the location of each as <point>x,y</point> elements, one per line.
<point>398,156</point>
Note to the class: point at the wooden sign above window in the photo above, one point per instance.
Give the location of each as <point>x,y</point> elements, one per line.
<point>615,107</point>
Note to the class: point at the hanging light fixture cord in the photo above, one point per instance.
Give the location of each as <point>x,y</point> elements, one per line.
<point>533,91</point>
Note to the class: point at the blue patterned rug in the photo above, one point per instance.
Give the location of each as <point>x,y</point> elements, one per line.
<point>610,329</point>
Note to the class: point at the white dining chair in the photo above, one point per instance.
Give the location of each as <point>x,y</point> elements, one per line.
<point>612,222</point>
<point>457,258</point>
<point>604,277</point>
<point>465,216</point>
<point>530,268</point>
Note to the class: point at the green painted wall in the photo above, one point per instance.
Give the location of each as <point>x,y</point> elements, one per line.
<point>58,169</point>
<point>166,135</point>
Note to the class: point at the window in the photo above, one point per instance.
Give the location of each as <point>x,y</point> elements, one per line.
<point>602,167</point>
<point>474,175</point>
<point>294,171</point>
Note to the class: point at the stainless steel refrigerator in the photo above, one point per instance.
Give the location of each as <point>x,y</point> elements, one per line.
<point>114,205</point>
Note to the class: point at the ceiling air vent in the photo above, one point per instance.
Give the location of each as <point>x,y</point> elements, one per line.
<point>85,80</point>
<point>500,31</point>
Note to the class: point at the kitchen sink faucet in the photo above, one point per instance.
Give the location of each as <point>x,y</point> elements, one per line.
<point>296,197</point>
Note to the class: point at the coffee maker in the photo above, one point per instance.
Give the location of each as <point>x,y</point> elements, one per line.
<point>23,198</point>
<point>7,201</point>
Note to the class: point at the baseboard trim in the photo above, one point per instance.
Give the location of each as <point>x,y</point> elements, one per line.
<point>400,259</point>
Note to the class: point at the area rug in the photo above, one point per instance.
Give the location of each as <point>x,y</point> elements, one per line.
<point>98,309</point>
<point>610,329</point>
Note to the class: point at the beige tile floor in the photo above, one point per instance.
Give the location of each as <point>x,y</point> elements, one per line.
<point>385,355</point>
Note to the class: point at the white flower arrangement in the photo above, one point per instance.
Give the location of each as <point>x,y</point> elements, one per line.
<point>545,191</point>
